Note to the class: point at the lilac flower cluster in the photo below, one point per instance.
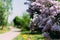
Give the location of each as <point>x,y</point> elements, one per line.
<point>43,14</point>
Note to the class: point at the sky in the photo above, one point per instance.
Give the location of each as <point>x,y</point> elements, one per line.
<point>18,9</point>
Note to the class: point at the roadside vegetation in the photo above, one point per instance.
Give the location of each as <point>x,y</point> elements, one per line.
<point>5,6</point>
<point>29,37</point>
<point>23,24</point>
<point>6,29</point>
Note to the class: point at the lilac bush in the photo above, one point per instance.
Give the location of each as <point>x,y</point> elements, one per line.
<point>45,14</point>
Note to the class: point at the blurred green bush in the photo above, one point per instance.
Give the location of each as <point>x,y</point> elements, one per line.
<point>58,0</point>
<point>22,22</point>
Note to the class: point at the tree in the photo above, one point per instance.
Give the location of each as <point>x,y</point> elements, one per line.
<point>22,22</point>
<point>8,8</point>
<point>48,17</point>
<point>4,11</point>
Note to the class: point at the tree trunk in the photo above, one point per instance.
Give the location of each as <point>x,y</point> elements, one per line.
<point>2,27</point>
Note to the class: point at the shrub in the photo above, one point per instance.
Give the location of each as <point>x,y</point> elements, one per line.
<point>50,11</point>
<point>22,22</point>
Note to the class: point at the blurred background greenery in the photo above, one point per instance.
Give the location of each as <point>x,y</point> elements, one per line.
<point>22,22</point>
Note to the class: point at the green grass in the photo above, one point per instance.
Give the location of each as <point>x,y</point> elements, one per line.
<point>26,35</point>
<point>30,36</point>
<point>6,29</point>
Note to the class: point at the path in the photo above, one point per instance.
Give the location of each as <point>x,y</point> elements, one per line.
<point>10,35</point>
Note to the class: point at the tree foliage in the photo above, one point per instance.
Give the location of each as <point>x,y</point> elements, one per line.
<point>4,11</point>
<point>47,18</point>
<point>22,22</point>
